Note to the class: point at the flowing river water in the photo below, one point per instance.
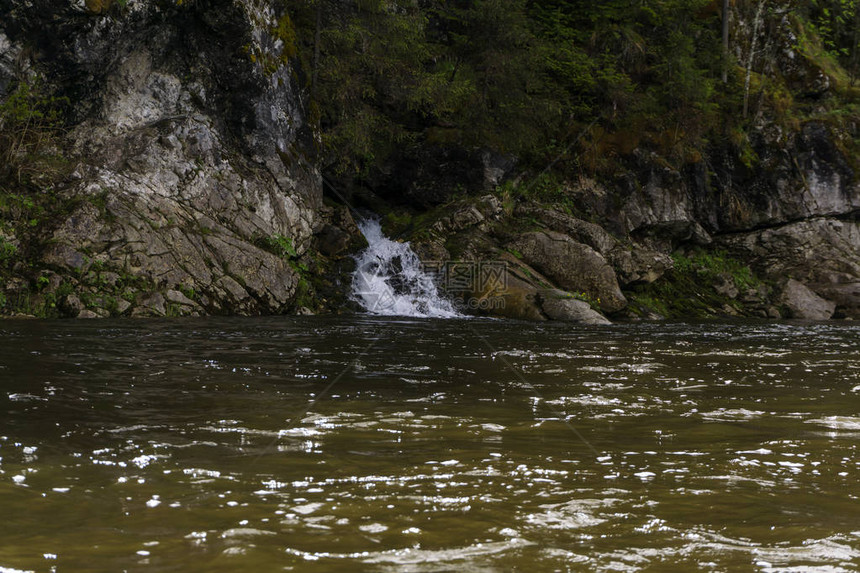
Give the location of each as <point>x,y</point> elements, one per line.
<point>386,444</point>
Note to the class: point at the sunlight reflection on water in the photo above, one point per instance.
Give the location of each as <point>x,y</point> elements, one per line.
<point>168,445</point>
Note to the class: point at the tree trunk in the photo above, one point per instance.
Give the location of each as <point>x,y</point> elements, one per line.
<point>316,64</point>
<point>751,56</point>
<point>855,44</point>
<point>725,41</point>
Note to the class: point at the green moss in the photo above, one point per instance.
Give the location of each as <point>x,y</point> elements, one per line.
<point>515,253</point>
<point>395,223</point>
<point>286,32</point>
<point>304,294</point>
<point>688,290</point>
<point>709,264</point>
<point>172,310</point>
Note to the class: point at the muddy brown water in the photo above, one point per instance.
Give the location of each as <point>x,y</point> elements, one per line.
<point>364,444</point>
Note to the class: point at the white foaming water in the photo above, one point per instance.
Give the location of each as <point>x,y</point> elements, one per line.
<point>390,280</point>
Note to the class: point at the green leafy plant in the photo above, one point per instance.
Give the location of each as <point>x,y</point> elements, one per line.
<point>8,251</point>
<point>709,264</point>
<point>30,121</point>
<point>281,246</point>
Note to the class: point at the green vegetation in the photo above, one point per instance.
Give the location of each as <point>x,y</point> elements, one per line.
<point>837,24</point>
<point>709,265</point>
<point>571,83</point>
<point>279,245</point>
<point>699,285</point>
<point>396,223</point>
<point>31,166</point>
<point>30,160</point>
<point>8,251</point>
<point>30,122</point>
<point>521,77</point>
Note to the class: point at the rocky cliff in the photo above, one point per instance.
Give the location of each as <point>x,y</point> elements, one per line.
<point>179,176</point>
<point>762,223</point>
<point>188,184</point>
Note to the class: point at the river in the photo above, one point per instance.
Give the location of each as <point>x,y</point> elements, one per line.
<point>386,444</point>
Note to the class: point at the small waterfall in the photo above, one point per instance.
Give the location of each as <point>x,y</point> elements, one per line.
<point>391,281</point>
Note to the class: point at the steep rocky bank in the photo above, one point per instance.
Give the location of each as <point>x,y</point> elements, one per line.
<point>184,181</point>
<point>188,185</point>
<point>783,242</point>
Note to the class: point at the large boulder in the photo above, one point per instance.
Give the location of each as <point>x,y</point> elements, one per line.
<point>563,306</point>
<point>805,304</point>
<point>633,263</point>
<point>518,300</point>
<point>573,266</point>
<point>846,296</point>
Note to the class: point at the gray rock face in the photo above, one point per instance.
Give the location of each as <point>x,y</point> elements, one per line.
<point>639,265</point>
<point>823,253</point>
<point>573,266</point>
<point>485,209</point>
<point>190,153</point>
<point>805,304</point>
<point>559,305</point>
<point>813,251</point>
<point>581,231</point>
<point>633,263</point>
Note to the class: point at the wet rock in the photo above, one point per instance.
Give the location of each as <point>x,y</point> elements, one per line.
<point>518,300</point>
<point>333,240</point>
<point>71,305</point>
<point>152,305</point>
<point>846,296</point>
<point>561,305</point>
<point>802,303</point>
<point>177,297</point>
<point>340,234</point>
<point>729,310</point>
<point>724,285</point>
<point>234,290</point>
<point>573,266</point>
<point>122,306</point>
